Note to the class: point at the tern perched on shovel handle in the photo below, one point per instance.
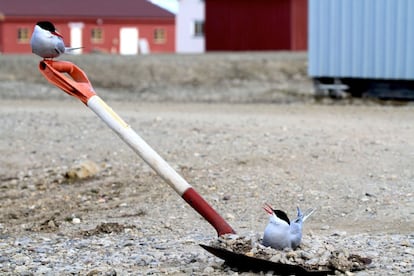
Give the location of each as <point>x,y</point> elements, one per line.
<point>78,85</point>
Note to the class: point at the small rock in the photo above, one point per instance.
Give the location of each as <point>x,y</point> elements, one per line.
<point>313,261</point>
<point>76,220</point>
<point>26,273</point>
<point>249,254</point>
<point>405,243</point>
<point>291,254</point>
<point>93,272</point>
<point>226,197</point>
<point>111,272</point>
<point>208,270</point>
<point>276,258</point>
<point>83,170</point>
<point>158,119</point>
<point>403,264</point>
<point>409,251</point>
<point>339,233</point>
<point>21,259</point>
<point>51,223</point>
<point>229,216</point>
<point>305,255</point>
<point>325,227</point>
<point>329,247</point>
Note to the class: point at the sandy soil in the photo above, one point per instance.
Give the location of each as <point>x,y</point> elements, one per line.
<point>353,162</point>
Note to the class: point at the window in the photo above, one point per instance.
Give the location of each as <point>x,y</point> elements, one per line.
<point>23,35</point>
<point>97,35</point>
<point>198,28</point>
<point>159,36</point>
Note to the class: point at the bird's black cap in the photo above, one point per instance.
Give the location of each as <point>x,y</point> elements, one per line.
<point>282,215</point>
<point>46,25</point>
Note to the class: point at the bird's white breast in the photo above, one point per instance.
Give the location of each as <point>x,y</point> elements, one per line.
<point>277,234</point>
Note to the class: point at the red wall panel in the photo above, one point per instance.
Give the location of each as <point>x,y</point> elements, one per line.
<point>299,24</point>
<point>1,37</point>
<point>245,25</point>
<point>10,43</point>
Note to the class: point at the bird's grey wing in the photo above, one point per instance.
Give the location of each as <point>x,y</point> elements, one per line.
<point>60,47</point>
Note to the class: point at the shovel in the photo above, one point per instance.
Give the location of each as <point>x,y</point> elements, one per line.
<point>72,80</point>
<point>79,86</point>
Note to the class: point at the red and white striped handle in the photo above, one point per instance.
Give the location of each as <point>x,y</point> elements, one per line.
<point>79,86</point>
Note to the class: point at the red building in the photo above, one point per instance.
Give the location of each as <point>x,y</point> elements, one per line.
<point>121,26</point>
<point>246,25</point>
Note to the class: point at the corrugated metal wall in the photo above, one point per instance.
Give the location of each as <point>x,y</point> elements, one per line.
<point>361,38</point>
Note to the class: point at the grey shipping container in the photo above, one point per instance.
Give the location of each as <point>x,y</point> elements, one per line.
<point>363,46</point>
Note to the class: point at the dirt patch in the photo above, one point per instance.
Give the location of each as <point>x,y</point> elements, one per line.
<point>106,228</point>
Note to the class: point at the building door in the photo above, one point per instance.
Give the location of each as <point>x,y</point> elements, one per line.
<point>128,41</point>
<point>76,36</point>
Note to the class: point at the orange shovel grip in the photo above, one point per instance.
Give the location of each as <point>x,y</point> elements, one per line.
<point>57,72</point>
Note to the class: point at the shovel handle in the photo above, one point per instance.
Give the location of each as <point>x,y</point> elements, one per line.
<point>79,86</point>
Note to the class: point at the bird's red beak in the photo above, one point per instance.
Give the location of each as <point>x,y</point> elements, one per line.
<point>57,34</point>
<point>268,208</point>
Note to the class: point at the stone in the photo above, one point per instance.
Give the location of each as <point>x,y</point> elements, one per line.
<point>82,170</point>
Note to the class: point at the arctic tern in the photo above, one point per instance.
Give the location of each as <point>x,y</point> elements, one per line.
<point>47,42</point>
<point>280,232</point>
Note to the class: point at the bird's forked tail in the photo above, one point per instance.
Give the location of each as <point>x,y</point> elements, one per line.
<point>69,50</point>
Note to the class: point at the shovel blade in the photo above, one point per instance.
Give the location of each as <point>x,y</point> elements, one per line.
<point>245,263</point>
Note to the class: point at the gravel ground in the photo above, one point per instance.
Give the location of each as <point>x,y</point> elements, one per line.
<point>76,200</point>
